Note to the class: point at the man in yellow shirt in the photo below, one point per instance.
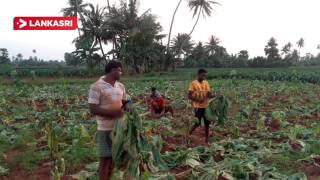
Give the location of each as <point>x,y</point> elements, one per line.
<point>199,94</point>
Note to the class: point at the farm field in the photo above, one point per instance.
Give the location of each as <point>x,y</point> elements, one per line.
<point>256,117</point>
<point>301,74</point>
<point>272,130</point>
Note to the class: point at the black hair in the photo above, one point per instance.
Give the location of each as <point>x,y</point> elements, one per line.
<point>201,71</point>
<point>153,89</point>
<point>111,65</point>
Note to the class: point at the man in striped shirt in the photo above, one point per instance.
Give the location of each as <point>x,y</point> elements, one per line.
<point>106,101</point>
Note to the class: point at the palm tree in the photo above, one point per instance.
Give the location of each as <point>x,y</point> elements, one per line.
<point>109,7</point>
<point>198,7</point>
<point>244,54</point>
<point>85,50</point>
<point>199,55</point>
<point>271,50</point>
<point>171,24</point>
<point>76,7</point>
<point>113,37</point>
<point>121,23</point>
<point>212,46</point>
<point>34,52</point>
<point>286,49</point>
<point>93,24</point>
<point>169,35</point>
<point>300,44</point>
<point>184,42</point>
<point>19,57</point>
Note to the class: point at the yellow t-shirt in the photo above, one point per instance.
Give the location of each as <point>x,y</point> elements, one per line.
<point>200,91</point>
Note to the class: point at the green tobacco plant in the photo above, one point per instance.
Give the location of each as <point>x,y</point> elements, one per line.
<point>218,109</point>
<point>131,149</point>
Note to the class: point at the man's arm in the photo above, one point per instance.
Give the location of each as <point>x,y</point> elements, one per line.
<point>190,93</point>
<point>212,95</point>
<point>110,114</point>
<point>125,105</point>
<point>94,102</point>
<point>193,98</point>
<point>153,113</point>
<point>162,112</point>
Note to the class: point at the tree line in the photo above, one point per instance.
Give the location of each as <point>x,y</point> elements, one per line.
<point>208,54</point>
<point>213,54</point>
<point>137,39</point>
<point>32,61</point>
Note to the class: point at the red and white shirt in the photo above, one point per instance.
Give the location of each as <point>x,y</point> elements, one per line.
<point>107,97</point>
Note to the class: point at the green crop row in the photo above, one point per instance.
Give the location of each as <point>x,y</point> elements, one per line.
<point>48,72</point>
<point>299,74</point>
<point>304,77</point>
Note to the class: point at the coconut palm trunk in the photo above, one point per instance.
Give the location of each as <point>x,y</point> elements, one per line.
<point>114,41</point>
<point>184,41</point>
<point>109,7</point>
<point>77,17</point>
<point>101,48</point>
<point>195,24</point>
<point>169,36</point>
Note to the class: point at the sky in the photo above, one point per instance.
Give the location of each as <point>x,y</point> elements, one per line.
<point>239,24</point>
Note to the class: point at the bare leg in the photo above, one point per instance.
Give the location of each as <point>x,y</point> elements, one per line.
<point>105,168</point>
<point>207,125</point>
<point>110,168</point>
<point>170,109</point>
<point>207,133</point>
<point>194,127</point>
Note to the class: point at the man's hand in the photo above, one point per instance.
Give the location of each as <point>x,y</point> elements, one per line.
<point>162,113</point>
<point>154,114</point>
<point>213,95</point>
<point>192,98</point>
<point>125,105</point>
<point>200,100</point>
<point>118,113</point>
<point>109,114</point>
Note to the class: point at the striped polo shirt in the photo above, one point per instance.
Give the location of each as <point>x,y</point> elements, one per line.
<point>107,97</point>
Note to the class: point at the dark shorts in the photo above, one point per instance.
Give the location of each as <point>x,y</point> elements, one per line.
<point>200,113</point>
<point>158,111</point>
<point>104,143</point>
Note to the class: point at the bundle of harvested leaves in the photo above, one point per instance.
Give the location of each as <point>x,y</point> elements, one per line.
<point>218,109</point>
<point>134,151</point>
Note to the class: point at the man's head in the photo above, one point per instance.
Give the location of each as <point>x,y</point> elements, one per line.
<point>157,95</point>
<point>153,90</point>
<point>201,75</point>
<point>114,69</point>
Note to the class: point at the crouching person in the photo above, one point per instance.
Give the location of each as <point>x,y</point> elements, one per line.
<point>158,107</point>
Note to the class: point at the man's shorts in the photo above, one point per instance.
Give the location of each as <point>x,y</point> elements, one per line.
<point>104,143</point>
<point>158,111</point>
<point>200,113</point>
